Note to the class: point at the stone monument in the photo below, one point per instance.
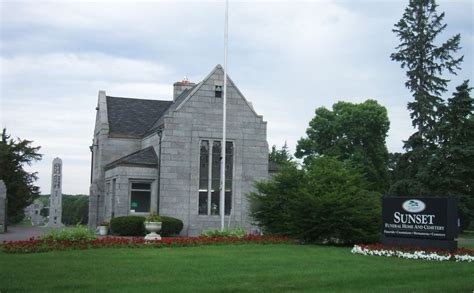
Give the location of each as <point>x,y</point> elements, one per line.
<point>33,212</point>
<point>55,200</point>
<point>3,207</point>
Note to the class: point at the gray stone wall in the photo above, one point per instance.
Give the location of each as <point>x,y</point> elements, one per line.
<point>105,150</point>
<point>199,118</point>
<point>195,119</point>
<point>123,175</point>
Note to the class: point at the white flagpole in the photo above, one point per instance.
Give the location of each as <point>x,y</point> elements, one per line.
<point>224,114</point>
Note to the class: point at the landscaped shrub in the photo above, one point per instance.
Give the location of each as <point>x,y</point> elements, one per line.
<point>326,202</point>
<point>170,226</point>
<point>128,226</point>
<point>238,232</point>
<point>77,233</point>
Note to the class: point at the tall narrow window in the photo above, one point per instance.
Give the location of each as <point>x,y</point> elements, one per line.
<point>204,178</point>
<point>114,183</point>
<point>107,198</point>
<point>229,168</point>
<point>209,177</point>
<point>140,195</point>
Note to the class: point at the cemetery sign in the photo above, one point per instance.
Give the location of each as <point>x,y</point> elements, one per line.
<point>429,222</point>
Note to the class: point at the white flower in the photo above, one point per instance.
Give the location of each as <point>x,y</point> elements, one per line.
<point>419,254</point>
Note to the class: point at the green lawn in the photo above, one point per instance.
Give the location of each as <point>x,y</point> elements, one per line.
<point>231,268</point>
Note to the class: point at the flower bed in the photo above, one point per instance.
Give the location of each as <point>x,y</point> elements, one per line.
<point>38,245</point>
<point>461,254</point>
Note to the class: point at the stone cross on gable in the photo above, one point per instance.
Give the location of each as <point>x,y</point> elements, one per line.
<point>55,200</point>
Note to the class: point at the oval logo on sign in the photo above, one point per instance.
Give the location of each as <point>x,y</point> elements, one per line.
<point>413,206</point>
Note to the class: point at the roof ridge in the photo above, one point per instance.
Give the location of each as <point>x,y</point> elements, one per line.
<point>139,99</point>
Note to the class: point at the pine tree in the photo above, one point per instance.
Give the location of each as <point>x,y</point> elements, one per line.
<point>426,62</point>
<point>450,169</point>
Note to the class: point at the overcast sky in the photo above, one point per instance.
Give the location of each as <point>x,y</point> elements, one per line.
<point>287,58</point>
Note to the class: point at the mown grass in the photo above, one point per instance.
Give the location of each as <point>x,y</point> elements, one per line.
<point>228,268</point>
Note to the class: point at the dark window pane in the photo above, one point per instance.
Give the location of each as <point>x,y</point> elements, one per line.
<point>229,160</point>
<point>228,203</point>
<point>228,185</point>
<point>215,203</point>
<point>204,147</point>
<point>204,168</point>
<point>216,185</point>
<point>203,185</point>
<point>218,94</point>
<point>229,147</point>
<point>202,203</point>
<point>141,186</point>
<point>216,160</point>
<point>204,160</point>
<point>140,201</point>
<point>228,167</point>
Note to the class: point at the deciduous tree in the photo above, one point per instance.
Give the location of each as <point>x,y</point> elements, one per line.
<point>351,132</point>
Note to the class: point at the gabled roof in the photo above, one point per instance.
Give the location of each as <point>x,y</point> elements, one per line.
<point>146,158</point>
<point>179,99</point>
<point>138,118</point>
<point>133,117</point>
<point>198,86</point>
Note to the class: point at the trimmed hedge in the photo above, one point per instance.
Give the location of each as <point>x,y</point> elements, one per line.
<point>134,226</point>
<point>128,226</point>
<point>170,226</point>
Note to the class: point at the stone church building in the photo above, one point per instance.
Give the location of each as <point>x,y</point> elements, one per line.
<point>164,156</point>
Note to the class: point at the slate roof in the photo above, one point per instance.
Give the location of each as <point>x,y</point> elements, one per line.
<point>179,99</point>
<point>146,157</point>
<point>133,117</point>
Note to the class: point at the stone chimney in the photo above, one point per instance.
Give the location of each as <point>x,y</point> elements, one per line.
<point>180,86</point>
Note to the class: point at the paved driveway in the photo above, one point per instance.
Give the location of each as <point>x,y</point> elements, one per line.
<point>22,233</point>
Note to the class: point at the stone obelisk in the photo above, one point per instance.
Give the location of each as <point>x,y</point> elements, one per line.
<point>3,207</point>
<point>55,200</point>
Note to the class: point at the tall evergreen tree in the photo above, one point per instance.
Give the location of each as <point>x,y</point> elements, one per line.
<point>426,62</point>
<point>21,190</point>
<point>450,169</point>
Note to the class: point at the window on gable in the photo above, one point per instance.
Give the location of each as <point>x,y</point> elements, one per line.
<point>218,91</point>
<point>209,177</point>
<point>140,197</point>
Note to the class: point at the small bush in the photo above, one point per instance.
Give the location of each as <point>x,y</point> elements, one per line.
<point>170,226</point>
<point>128,226</point>
<point>238,232</point>
<point>77,233</point>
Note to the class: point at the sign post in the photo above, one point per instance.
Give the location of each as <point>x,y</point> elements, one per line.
<point>425,222</point>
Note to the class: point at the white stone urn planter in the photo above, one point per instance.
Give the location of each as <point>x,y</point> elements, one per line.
<point>103,230</point>
<point>153,227</point>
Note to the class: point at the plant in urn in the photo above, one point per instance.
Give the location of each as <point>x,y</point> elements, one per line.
<point>153,225</point>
